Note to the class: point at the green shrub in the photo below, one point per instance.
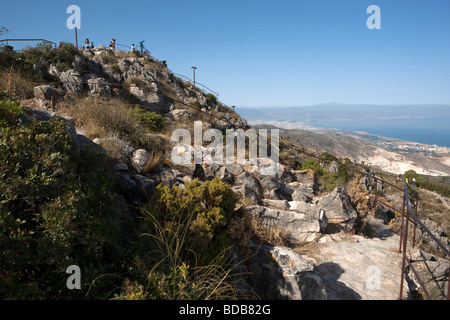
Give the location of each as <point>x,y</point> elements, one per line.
<point>206,207</point>
<point>62,58</point>
<point>328,157</point>
<point>211,99</point>
<point>309,163</point>
<point>55,210</point>
<point>21,63</point>
<point>151,120</point>
<point>189,252</point>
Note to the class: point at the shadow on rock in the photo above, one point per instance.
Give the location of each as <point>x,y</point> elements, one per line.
<point>336,290</point>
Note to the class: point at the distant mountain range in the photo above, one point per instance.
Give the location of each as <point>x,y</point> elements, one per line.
<point>340,111</point>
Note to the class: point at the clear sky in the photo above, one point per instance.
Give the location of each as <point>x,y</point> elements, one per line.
<point>258,53</point>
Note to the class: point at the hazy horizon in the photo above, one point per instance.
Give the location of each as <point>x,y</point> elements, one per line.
<point>345,104</point>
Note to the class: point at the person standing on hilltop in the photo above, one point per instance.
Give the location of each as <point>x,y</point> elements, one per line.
<point>86,44</point>
<point>113,44</point>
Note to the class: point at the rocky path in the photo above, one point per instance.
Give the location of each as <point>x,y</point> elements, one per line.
<point>359,268</point>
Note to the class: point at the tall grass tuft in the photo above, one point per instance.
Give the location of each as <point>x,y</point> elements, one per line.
<point>177,275</point>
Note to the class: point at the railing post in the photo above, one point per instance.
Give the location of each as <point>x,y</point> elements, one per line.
<point>448,285</point>
<point>401,228</point>
<point>415,225</point>
<point>405,241</point>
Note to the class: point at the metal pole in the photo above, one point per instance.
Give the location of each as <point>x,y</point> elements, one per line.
<point>76,37</point>
<point>405,240</point>
<point>194,68</point>
<point>448,287</point>
<point>415,225</point>
<point>403,216</point>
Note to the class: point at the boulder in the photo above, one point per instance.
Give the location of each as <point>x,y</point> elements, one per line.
<point>270,182</point>
<point>151,97</point>
<point>277,204</point>
<point>211,170</point>
<point>87,145</point>
<point>72,81</point>
<point>170,178</point>
<point>179,114</point>
<point>139,160</point>
<point>99,86</point>
<point>248,186</point>
<point>296,191</point>
<point>145,186</point>
<point>48,96</point>
<point>53,71</point>
<point>305,176</point>
<point>300,227</point>
<point>281,274</point>
<point>125,183</point>
<point>338,208</point>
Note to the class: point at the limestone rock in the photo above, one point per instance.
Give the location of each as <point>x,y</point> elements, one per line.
<point>179,114</point>
<point>338,208</point>
<point>300,226</point>
<point>72,81</point>
<point>139,160</point>
<point>281,274</point>
<point>99,86</point>
<point>432,271</point>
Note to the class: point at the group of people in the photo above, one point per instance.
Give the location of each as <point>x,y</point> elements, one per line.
<point>90,45</point>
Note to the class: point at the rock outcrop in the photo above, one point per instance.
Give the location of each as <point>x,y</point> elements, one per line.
<point>278,273</point>
<point>288,200</point>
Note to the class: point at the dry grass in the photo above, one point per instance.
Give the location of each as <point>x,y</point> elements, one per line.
<point>116,147</point>
<point>112,119</point>
<point>269,234</point>
<point>154,161</point>
<point>16,85</point>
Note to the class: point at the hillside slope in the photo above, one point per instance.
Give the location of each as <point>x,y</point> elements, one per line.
<point>191,231</point>
<point>362,151</point>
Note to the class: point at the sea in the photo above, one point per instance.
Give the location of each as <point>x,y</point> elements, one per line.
<point>431,131</point>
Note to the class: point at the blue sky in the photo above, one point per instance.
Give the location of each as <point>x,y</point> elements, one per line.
<point>258,53</point>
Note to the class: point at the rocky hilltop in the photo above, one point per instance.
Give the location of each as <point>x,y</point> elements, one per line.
<point>296,238</point>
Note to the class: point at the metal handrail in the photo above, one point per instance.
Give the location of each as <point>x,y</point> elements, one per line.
<point>196,83</point>
<point>404,240</point>
<point>27,40</point>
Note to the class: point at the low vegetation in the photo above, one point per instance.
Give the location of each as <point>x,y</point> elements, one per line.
<point>104,118</point>
<point>57,209</point>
